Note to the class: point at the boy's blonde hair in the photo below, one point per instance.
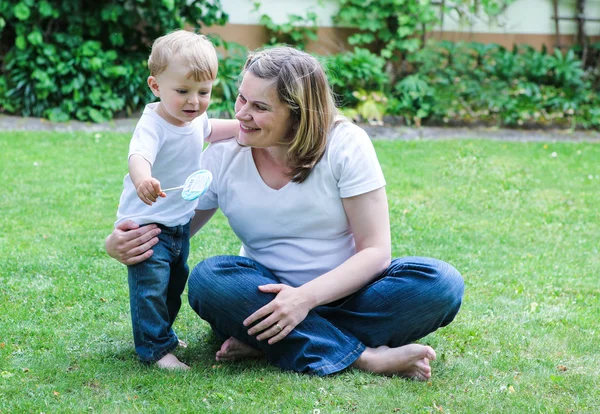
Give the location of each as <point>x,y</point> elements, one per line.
<point>196,49</point>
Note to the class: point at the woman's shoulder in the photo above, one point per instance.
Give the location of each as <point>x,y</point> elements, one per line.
<point>222,151</point>
<point>346,133</point>
<point>226,146</point>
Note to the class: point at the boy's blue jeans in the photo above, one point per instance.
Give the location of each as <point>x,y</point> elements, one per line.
<point>155,288</point>
<point>412,298</point>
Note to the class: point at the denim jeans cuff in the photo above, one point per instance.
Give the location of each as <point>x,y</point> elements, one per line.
<point>164,351</point>
<point>344,363</point>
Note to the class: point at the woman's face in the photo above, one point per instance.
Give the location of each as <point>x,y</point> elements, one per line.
<point>264,120</point>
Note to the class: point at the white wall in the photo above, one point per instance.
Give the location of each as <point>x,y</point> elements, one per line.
<point>242,11</point>
<point>523,16</point>
<point>529,17</point>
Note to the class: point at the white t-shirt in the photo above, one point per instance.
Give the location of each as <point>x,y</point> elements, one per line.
<point>300,231</point>
<point>174,153</point>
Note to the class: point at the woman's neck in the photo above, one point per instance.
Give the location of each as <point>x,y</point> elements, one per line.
<point>277,155</point>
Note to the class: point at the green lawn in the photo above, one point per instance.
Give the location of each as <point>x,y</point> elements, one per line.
<point>521,221</point>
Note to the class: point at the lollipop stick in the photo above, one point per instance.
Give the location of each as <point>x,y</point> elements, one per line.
<point>172,188</point>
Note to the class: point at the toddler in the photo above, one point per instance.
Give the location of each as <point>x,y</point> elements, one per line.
<point>165,148</point>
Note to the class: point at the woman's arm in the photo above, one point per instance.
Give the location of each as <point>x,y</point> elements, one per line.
<point>223,129</point>
<point>200,219</point>
<point>369,220</point>
<point>130,244</point>
<point>370,223</point>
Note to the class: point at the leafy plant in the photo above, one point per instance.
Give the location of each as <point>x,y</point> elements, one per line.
<point>232,57</point>
<point>391,28</point>
<point>86,60</point>
<point>371,107</point>
<point>414,99</point>
<point>488,83</point>
<point>297,31</point>
<point>354,71</point>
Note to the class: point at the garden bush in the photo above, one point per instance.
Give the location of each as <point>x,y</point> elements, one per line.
<point>85,60</point>
<point>489,83</point>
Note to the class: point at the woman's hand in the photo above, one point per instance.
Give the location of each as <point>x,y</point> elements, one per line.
<point>281,315</point>
<point>130,244</point>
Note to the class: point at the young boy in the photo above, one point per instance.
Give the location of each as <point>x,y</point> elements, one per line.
<point>165,149</point>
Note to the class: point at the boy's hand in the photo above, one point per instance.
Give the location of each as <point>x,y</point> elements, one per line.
<point>149,190</point>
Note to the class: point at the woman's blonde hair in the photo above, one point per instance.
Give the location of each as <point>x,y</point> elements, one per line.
<point>302,85</point>
<point>196,49</point>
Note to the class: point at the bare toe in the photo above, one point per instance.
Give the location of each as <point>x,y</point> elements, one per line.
<point>410,361</point>
<point>170,361</point>
<point>233,349</point>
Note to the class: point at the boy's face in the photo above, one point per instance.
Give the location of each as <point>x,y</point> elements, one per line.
<point>182,99</point>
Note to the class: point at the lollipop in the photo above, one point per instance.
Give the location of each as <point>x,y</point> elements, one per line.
<point>195,185</point>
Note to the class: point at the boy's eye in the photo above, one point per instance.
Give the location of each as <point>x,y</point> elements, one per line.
<point>204,93</point>
<point>181,91</point>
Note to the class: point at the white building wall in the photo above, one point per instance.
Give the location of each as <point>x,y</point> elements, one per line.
<point>523,16</point>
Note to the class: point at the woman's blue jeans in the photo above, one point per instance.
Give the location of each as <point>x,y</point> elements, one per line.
<point>412,298</point>
<point>155,288</point>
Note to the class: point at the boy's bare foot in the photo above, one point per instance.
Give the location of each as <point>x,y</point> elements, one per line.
<point>170,361</point>
<point>410,361</point>
<point>234,349</point>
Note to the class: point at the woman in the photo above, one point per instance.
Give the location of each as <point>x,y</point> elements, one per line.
<point>314,288</point>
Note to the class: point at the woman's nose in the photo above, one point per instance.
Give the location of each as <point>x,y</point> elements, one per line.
<point>242,114</point>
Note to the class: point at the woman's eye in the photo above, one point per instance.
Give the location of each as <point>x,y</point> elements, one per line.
<point>241,98</point>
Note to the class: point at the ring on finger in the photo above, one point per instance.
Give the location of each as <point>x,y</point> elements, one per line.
<point>279,328</point>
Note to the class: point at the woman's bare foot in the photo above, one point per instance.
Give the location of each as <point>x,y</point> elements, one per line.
<point>234,349</point>
<point>170,361</point>
<point>410,361</point>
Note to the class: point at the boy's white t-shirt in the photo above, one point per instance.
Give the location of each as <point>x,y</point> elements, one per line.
<point>300,231</point>
<point>174,153</point>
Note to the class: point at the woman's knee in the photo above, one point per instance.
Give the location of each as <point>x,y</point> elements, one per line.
<point>450,290</point>
<point>203,274</point>
<point>441,282</point>
<point>222,278</point>
<point>205,281</point>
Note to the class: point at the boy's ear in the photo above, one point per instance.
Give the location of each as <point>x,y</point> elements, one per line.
<point>153,84</point>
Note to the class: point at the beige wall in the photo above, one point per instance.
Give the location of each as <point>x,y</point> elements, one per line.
<point>525,22</point>
<point>333,40</point>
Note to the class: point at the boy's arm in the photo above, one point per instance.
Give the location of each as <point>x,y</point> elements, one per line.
<point>223,129</point>
<point>140,172</point>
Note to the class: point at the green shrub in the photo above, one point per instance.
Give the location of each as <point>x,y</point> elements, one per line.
<point>492,84</point>
<point>232,57</point>
<point>86,60</point>
<point>391,28</point>
<point>354,71</point>
<point>297,31</point>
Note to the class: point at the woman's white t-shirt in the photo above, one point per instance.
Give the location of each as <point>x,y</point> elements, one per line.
<point>300,231</point>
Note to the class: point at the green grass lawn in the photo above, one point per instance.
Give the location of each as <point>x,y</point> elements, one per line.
<point>521,221</point>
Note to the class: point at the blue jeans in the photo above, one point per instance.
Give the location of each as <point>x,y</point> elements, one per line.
<point>412,298</point>
<point>155,288</point>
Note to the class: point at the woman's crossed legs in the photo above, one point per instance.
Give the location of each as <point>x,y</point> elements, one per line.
<point>372,330</point>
